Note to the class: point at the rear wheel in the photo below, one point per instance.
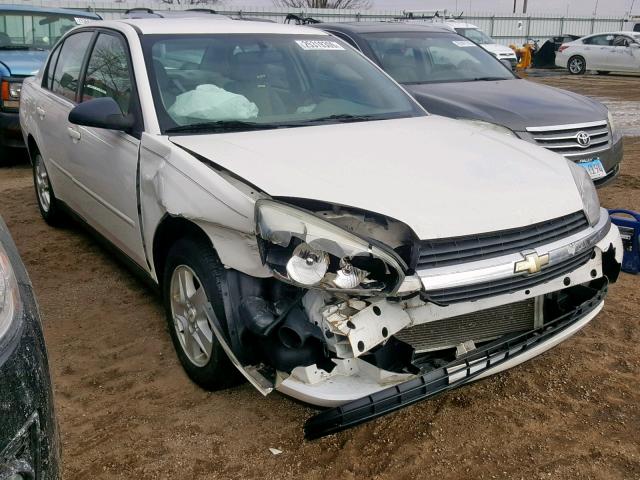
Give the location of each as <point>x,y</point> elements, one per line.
<point>577,65</point>
<point>47,203</point>
<point>192,277</point>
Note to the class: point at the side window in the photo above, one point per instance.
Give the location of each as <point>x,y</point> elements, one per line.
<point>108,72</point>
<point>602,40</point>
<point>48,77</point>
<point>622,41</point>
<point>67,73</point>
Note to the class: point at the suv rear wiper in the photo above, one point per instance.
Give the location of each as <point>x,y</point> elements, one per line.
<point>223,126</point>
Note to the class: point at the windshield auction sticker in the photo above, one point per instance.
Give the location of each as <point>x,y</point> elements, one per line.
<point>81,20</point>
<point>319,45</point>
<point>463,43</point>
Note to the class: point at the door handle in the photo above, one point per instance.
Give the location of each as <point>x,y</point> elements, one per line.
<point>41,113</point>
<point>74,134</point>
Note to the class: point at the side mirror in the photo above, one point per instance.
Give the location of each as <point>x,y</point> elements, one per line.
<point>507,64</point>
<point>101,113</point>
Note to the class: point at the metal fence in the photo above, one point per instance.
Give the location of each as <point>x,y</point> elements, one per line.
<point>506,29</point>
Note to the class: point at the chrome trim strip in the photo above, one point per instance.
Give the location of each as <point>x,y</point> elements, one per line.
<point>571,126</point>
<point>498,268</point>
<point>585,152</point>
<point>594,143</point>
<point>571,137</point>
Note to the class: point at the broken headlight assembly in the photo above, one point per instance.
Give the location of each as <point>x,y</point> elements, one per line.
<point>590,200</point>
<point>305,250</point>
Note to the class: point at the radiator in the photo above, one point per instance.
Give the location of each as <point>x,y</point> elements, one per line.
<point>477,326</point>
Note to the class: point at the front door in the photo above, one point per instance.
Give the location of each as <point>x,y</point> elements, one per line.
<point>104,163</point>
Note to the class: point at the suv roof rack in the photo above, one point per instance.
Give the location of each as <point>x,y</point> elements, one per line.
<point>300,20</point>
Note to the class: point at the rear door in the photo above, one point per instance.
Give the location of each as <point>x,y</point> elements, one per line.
<point>52,105</point>
<point>104,163</point>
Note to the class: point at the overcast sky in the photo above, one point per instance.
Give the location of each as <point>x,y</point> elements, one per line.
<point>574,7</point>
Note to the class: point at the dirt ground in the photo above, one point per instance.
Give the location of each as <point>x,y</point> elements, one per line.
<point>126,409</point>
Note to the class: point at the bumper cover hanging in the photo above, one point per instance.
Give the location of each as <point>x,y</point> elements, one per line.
<point>451,376</point>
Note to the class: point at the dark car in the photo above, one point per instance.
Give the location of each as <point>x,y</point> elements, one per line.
<point>454,77</point>
<point>26,36</point>
<point>29,441</point>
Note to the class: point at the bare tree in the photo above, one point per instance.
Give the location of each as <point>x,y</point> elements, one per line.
<point>323,3</point>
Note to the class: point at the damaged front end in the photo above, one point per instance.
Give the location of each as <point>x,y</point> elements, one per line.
<point>363,316</point>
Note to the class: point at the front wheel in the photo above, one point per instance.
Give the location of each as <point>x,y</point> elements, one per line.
<point>47,203</point>
<point>191,280</point>
<point>577,65</point>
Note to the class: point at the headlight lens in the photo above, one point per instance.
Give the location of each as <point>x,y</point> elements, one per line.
<point>489,126</point>
<point>9,295</point>
<point>612,125</point>
<point>305,250</point>
<point>587,189</point>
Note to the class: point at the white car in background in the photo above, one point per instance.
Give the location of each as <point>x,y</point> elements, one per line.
<point>473,33</point>
<point>305,219</point>
<point>603,52</point>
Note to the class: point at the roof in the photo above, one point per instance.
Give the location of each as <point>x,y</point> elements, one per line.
<point>59,11</point>
<point>382,27</point>
<point>211,24</point>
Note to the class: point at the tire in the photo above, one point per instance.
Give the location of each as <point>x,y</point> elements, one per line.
<point>193,264</point>
<point>603,72</point>
<point>577,65</point>
<point>49,206</point>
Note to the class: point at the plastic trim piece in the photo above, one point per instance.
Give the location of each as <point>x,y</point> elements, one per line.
<point>447,378</point>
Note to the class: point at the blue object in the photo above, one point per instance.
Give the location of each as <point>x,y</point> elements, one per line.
<point>630,233</point>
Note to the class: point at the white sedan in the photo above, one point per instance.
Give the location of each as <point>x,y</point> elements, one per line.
<point>603,52</point>
<point>306,221</point>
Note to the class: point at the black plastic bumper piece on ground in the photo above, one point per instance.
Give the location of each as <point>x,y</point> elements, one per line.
<point>443,379</point>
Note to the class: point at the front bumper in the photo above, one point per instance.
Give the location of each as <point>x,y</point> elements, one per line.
<point>480,363</point>
<point>610,156</point>
<point>10,133</point>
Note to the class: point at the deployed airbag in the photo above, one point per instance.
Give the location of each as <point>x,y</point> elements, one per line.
<point>212,103</point>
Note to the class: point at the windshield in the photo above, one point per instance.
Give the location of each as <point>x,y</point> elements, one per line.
<point>26,30</point>
<point>229,82</point>
<point>424,57</point>
<point>476,35</point>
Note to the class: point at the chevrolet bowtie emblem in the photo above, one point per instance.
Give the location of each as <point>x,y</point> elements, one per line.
<point>532,263</point>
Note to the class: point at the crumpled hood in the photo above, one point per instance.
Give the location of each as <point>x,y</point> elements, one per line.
<point>22,63</point>
<point>443,178</point>
<point>516,104</point>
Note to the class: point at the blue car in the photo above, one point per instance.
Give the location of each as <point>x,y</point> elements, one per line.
<point>26,36</point>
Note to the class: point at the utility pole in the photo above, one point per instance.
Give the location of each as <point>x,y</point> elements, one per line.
<point>515,2</point>
<point>524,6</point>
<point>595,9</point>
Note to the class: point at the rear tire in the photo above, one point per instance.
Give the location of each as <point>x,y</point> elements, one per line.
<point>577,65</point>
<point>47,203</point>
<point>192,276</point>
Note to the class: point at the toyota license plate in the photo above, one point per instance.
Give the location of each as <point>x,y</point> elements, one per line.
<point>594,168</point>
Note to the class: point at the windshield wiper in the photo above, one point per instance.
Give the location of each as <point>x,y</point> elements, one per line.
<point>20,47</point>
<point>487,79</point>
<point>343,118</point>
<point>223,126</point>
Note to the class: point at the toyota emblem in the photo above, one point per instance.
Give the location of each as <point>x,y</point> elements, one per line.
<point>583,139</point>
